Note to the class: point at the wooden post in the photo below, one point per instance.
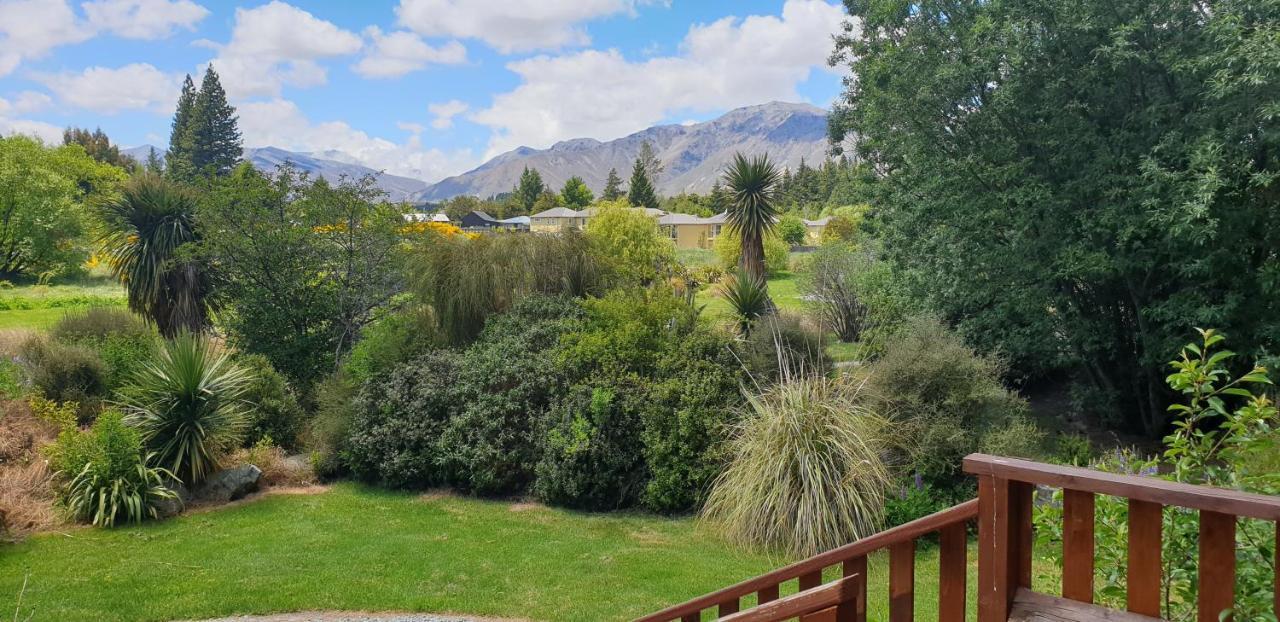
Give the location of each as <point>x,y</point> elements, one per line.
<point>1077,545</point>
<point>857,568</point>
<point>953,572</point>
<point>1217,568</point>
<point>1004,544</point>
<point>1145,571</point>
<point>902,581</point>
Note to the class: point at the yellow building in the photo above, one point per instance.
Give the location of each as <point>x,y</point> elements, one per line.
<point>813,234</point>
<point>689,231</point>
<point>558,219</point>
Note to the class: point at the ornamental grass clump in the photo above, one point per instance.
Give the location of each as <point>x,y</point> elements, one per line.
<point>809,468</point>
<point>187,403</point>
<point>104,478</point>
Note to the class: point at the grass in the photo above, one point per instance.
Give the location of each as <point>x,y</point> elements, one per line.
<point>38,307</point>
<point>782,288</point>
<point>34,319</point>
<point>355,548</point>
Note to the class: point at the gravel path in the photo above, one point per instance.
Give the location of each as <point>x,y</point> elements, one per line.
<point>350,616</point>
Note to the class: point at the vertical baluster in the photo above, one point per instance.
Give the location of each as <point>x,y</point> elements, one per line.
<point>767,594</point>
<point>1004,544</point>
<point>693,617</point>
<point>1145,570</point>
<point>902,581</point>
<point>727,607</point>
<point>953,571</point>
<point>808,582</point>
<point>1077,545</point>
<point>856,567</point>
<point>1217,565</point>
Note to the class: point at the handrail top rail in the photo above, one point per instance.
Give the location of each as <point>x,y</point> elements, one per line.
<point>1141,488</point>
<point>902,533</point>
<point>809,601</point>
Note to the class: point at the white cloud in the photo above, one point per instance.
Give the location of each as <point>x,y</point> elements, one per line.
<point>444,113</point>
<point>727,63</point>
<point>107,90</point>
<point>511,25</point>
<point>412,128</point>
<point>143,19</point>
<point>50,134</point>
<point>30,28</point>
<point>395,54</point>
<point>280,123</point>
<point>277,44</point>
<point>26,101</point>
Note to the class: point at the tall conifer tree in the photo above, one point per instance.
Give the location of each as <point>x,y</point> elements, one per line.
<point>641,193</point>
<point>215,129</point>
<point>178,162</point>
<point>612,186</point>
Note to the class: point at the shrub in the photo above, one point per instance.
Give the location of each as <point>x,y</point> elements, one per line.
<point>187,403</point>
<point>10,379</point>
<point>728,248</point>
<point>394,435</point>
<point>328,430</point>
<point>782,344</point>
<point>831,281</point>
<point>592,458</point>
<point>913,499</point>
<point>65,373</point>
<point>508,382</point>
<point>808,470</point>
<point>120,338</point>
<point>791,229</point>
<point>629,240</point>
<point>747,298</point>
<point>272,407</point>
<point>387,342</point>
<point>927,375</point>
<point>104,477</point>
<point>688,415</point>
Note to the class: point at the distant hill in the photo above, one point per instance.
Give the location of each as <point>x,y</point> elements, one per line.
<point>694,155</point>
<point>268,158</point>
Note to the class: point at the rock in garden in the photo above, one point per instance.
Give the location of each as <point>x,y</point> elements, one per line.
<point>166,508</point>
<point>229,484</point>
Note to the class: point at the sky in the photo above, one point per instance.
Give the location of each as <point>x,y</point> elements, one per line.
<point>421,88</point>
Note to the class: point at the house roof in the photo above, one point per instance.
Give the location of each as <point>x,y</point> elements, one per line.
<point>682,219</point>
<point>821,222</point>
<point>483,216</point>
<point>440,217</point>
<point>515,220</point>
<point>559,212</point>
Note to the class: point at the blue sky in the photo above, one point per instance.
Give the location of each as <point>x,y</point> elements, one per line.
<point>424,88</point>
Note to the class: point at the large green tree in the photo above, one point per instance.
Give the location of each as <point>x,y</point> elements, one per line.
<point>1076,183</point>
<point>641,192</point>
<point>43,192</point>
<point>576,194</point>
<point>529,189</point>
<point>751,213</point>
<point>98,146</point>
<point>205,137</point>
<point>612,186</point>
<point>179,162</point>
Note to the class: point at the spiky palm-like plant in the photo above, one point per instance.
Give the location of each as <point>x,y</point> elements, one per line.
<point>752,183</point>
<point>807,469</point>
<point>145,226</point>
<point>747,297</point>
<point>188,405</point>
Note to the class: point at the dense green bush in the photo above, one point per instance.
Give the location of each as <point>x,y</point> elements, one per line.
<point>728,248</point>
<point>780,343</point>
<point>387,342</point>
<point>272,407</point>
<point>121,339</point>
<point>327,431</point>
<point>188,404</point>
<point>913,499</point>
<point>103,476</point>
<point>929,377</point>
<point>65,373</point>
<point>508,382</point>
<point>592,457</point>
<point>394,436</point>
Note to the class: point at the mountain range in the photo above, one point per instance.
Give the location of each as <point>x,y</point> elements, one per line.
<point>693,155</point>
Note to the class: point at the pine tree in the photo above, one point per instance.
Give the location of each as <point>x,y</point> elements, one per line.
<point>641,193</point>
<point>178,162</point>
<point>529,189</point>
<point>154,163</point>
<point>215,129</point>
<point>612,186</point>
<point>718,200</point>
<point>653,167</point>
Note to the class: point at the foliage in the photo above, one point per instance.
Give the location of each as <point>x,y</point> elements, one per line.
<point>394,435</point>
<point>205,140</point>
<point>929,378</point>
<point>1225,434</point>
<point>273,413</point>
<point>105,479</point>
<point>640,192</point>
<point>388,341</point>
<point>750,216</point>
<point>42,190</point>
<point>329,428</point>
<point>508,381</point>
<point>188,405</point>
<point>782,344</point>
<point>147,230</point>
<point>612,187</point>
<point>305,264</point>
<point>529,189</point>
<point>119,338</point>
<point>629,240</point>
<point>808,470</point>
<point>747,297</point>
<point>98,146</point>
<point>913,499</point>
<point>839,229</point>
<point>65,373</point>
<point>465,281</point>
<point>728,249</point>
<point>576,194</point>
<point>592,458</point>
<point>832,281</point>
<point>1054,222</point>
<point>791,229</point>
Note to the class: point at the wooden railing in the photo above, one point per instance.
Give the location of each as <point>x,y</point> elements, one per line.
<point>845,599</point>
<point>1005,491</point>
<point>1006,488</point>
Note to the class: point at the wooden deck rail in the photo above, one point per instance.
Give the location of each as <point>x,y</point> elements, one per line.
<point>1005,490</point>
<point>950,524</point>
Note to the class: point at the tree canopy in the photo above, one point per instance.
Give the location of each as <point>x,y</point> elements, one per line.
<point>576,194</point>
<point>641,193</point>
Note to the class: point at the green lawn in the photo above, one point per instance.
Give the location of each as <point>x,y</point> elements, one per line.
<point>40,306</point>
<point>35,319</point>
<point>355,548</point>
<point>782,288</point>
